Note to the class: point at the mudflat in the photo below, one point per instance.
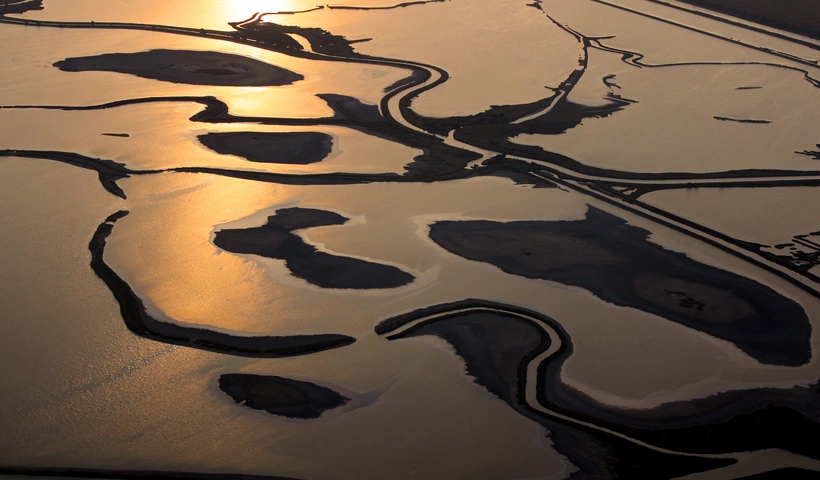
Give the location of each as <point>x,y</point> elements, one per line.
<point>186,66</point>
<point>299,148</point>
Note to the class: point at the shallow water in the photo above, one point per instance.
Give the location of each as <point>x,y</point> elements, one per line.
<point>500,358</point>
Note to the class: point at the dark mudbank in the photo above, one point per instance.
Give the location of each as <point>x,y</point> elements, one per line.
<point>498,343</point>
<point>276,239</point>
<point>186,66</point>
<point>616,262</point>
<point>497,347</point>
<point>299,148</point>
<point>280,396</point>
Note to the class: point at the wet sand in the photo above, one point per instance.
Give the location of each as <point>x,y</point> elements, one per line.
<point>497,343</point>
<point>500,344</point>
<point>184,66</point>
<point>815,154</point>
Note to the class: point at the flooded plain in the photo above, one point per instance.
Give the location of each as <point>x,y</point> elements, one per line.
<point>431,240</point>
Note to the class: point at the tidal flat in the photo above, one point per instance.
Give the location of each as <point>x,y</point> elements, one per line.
<point>439,239</point>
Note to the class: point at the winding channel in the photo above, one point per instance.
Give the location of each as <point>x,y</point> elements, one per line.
<point>532,382</point>
<point>395,107</point>
<point>401,123</point>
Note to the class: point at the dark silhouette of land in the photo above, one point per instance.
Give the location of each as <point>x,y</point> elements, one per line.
<point>186,66</point>
<point>280,396</point>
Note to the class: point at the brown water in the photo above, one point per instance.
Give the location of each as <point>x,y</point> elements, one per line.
<point>86,388</point>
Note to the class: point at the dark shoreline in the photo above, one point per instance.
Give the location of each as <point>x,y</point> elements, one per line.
<point>500,364</point>
<point>740,120</point>
<point>605,190</point>
<point>616,262</point>
<point>430,168</point>
<point>439,162</point>
<point>138,320</point>
<point>796,16</point>
<point>280,396</point>
<point>708,13</point>
<point>275,239</point>
<point>338,49</point>
<point>443,160</point>
<point>190,67</point>
<point>732,421</point>
<point>290,148</point>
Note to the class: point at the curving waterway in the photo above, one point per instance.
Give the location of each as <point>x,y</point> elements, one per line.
<point>433,239</point>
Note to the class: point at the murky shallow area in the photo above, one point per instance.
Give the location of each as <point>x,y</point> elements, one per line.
<point>494,240</point>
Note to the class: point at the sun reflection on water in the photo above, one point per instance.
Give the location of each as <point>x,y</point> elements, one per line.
<point>214,14</point>
<point>236,10</point>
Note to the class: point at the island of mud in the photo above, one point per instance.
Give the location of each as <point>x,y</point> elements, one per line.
<point>140,322</point>
<point>616,262</point>
<point>280,396</point>
<point>500,344</point>
<point>297,148</point>
<point>276,239</point>
<point>186,66</point>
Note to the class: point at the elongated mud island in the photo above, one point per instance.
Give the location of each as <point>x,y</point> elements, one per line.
<point>299,148</point>
<point>185,66</point>
<point>565,239</point>
<point>276,239</point>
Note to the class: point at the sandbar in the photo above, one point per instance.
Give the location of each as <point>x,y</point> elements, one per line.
<point>617,263</point>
